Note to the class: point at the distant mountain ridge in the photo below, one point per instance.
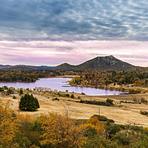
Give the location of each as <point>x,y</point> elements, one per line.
<point>25,67</point>
<point>4,66</point>
<point>99,63</point>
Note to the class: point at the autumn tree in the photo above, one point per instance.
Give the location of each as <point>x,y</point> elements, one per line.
<point>8,127</point>
<point>60,132</point>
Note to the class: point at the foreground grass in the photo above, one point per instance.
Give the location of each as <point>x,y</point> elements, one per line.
<point>57,131</point>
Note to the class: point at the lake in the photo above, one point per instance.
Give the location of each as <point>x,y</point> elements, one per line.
<point>61,84</point>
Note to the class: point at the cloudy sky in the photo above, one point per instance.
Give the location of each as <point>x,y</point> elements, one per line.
<point>50,32</point>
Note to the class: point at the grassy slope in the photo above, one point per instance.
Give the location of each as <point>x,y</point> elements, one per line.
<point>124,113</point>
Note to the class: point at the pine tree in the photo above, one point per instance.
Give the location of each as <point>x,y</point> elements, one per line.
<point>28,103</point>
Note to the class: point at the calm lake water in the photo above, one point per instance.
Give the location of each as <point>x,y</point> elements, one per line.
<point>61,84</point>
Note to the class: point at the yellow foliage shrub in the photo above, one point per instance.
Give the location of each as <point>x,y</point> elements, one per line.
<point>100,128</point>
<point>8,126</point>
<point>60,131</point>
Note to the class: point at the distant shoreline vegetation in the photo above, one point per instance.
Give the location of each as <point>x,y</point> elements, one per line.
<point>25,75</point>
<point>132,82</point>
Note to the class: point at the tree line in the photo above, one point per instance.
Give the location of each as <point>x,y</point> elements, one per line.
<point>25,75</point>
<point>104,78</point>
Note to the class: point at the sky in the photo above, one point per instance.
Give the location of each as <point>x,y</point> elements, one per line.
<point>50,32</point>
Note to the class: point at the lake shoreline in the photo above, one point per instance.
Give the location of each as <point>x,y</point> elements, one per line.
<point>60,84</point>
<point>123,90</point>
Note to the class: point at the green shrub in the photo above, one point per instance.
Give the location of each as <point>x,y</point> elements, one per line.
<point>10,91</point>
<point>134,91</point>
<point>20,92</point>
<point>28,103</point>
<point>141,143</point>
<point>90,132</point>
<point>14,97</point>
<point>5,87</point>
<point>1,89</point>
<point>55,99</point>
<point>72,96</point>
<point>144,101</point>
<point>79,97</point>
<point>83,93</point>
<point>112,129</point>
<point>60,94</point>
<point>127,137</point>
<point>67,95</point>
<point>144,113</point>
<point>99,142</point>
<point>122,138</point>
<point>102,118</point>
<point>109,102</point>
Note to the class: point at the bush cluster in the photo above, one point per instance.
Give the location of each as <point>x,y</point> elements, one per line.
<point>108,102</point>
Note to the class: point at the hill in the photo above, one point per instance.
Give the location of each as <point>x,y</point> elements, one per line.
<point>65,67</point>
<point>99,63</point>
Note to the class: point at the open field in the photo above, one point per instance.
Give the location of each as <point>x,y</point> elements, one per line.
<point>121,113</point>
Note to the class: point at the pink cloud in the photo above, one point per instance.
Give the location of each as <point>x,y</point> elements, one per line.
<point>74,52</point>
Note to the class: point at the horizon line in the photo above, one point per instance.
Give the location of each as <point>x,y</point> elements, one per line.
<point>46,65</point>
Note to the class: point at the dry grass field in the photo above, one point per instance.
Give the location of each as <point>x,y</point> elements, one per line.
<point>121,113</point>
